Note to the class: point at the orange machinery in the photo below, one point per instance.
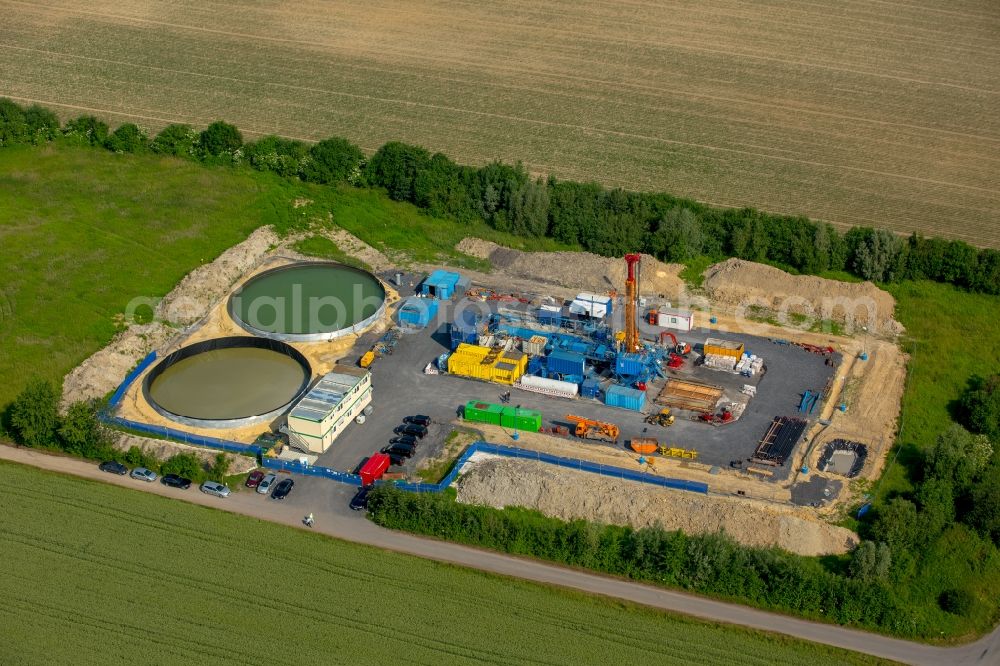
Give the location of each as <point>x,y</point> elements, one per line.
<point>631,303</point>
<point>592,429</point>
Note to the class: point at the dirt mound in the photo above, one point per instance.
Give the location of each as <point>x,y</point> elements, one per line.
<point>745,284</point>
<point>162,450</point>
<point>581,271</point>
<point>204,286</point>
<point>569,494</point>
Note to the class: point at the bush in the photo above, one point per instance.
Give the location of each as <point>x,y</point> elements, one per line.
<point>176,140</point>
<point>128,138</point>
<point>87,130</point>
<point>220,138</point>
<point>34,415</point>
<point>981,406</point>
<point>187,465</point>
<point>82,434</point>
<point>281,156</point>
<point>136,457</point>
<point>333,161</point>
<point>956,602</point>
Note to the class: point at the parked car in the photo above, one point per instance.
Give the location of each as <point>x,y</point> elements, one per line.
<point>397,459</point>
<point>360,500</point>
<point>255,478</point>
<point>215,488</point>
<point>264,487</point>
<point>417,431</point>
<point>175,481</point>
<point>113,467</point>
<point>418,419</point>
<point>404,439</point>
<point>282,489</point>
<point>144,474</point>
<point>399,450</point>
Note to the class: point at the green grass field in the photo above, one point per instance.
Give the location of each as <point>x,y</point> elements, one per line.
<point>83,231</point>
<point>120,576</point>
<point>952,335</point>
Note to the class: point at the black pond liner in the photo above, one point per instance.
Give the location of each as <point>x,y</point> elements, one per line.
<point>215,344</point>
<point>860,455</point>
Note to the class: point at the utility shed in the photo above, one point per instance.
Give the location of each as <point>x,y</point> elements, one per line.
<point>680,320</point>
<point>329,406</point>
<point>417,312</point>
<point>441,284</point>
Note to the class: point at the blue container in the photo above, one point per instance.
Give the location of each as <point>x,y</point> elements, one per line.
<point>549,318</point>
<point>534,365</point>
<point>590,388</point>
<point>624,397</point>
<point>465,329</point>
<point>630,365</point>
<point>417,311</point>
<point>565,362</point>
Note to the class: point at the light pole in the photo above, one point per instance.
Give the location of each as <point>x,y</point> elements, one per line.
<point>515,436</point>
<point>864,343</point>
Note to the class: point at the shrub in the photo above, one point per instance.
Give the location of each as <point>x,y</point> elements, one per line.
<point>187,465</point>
<point>34,415</point>
<point>128,138</point>
<point>956,602</point>
<point>175,140</point>
<point>87,130</point>
<point>136,457</point>
<point>220,138</point>
<point>333,161</point>
<point>82,434</point>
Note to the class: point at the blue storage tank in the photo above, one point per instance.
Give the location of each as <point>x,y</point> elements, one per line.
<point>624,397</point>
<point>417,311</point>
<point>630,364</point>
<point>590,388</point>
<point>565,362</point>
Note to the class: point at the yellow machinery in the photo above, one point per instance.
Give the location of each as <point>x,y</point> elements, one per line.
<point>690,454</point>
<point>631,301</point>
<point>663,418</point>
<point>367,359</point>
<point>591,429</point>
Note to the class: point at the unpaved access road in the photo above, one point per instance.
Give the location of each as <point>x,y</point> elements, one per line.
<point>342,524</point>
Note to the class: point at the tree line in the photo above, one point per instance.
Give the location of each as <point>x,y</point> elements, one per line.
<point>608,222</point>
<point>33,420</point>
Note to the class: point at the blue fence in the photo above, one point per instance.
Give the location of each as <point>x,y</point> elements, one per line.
<point>119,393</point>
<point>312,470</point>
<point>181,436</point>
<point>570,463</point>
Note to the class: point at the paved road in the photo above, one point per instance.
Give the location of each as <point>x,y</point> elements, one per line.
<point>352,527</point>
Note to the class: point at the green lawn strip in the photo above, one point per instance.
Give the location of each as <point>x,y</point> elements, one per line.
<point>111,570</point>
<point>324,248</point>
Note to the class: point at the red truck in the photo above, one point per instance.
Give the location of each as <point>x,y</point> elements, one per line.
<point>374,468</point>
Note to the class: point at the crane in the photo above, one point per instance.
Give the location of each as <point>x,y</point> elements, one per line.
<point>592,429</point>
<point>631,303</point>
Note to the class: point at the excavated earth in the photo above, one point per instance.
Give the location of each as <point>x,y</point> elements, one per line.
<point>569,494</point>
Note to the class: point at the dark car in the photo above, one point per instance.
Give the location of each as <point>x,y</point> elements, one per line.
<point>397,459</point>
<point>255,478</point>
<point>418,419</point>
<point>175,481</point>
<point>406,440</point>
<point>399,450</point>
<point>113,467</point>
<point>417,431</point>
<point>282,489</point>
<point>360,500</point>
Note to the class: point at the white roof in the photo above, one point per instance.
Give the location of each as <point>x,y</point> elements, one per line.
<point>324,397</point>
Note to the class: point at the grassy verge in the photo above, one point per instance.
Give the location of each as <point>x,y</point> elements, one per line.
<point>189,583</point>
<point>324,248</point>
<point>693,269</point>
<point>456,442</point>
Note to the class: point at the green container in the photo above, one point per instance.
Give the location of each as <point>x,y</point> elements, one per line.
<point>527,420</point>
<point>483,412</point>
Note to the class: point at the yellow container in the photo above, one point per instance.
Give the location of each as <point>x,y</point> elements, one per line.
<point>485,364</point>
<point>721,347</point>
<point>367,359</point>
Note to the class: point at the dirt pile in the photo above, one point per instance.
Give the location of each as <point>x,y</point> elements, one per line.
<point>162,450</point>
<point>745,284</point>
<point>569,494</point>
<point>204,286</point>
<point>581,271</point>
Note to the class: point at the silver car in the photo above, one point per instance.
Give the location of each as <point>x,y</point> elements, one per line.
<point>214,488</point>
<point>144,474</point>
<point>264,487</point>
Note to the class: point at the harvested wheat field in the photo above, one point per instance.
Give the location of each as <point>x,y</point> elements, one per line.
<point>852,112</point>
